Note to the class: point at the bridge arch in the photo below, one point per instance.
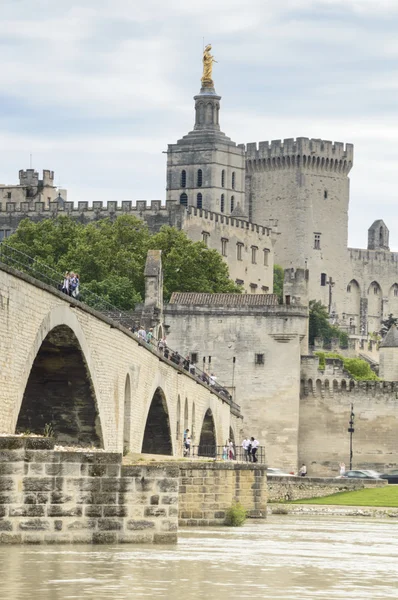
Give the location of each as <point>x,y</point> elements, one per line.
<point>208,439</point>
<point>59,365</point>
<point>157,434</point>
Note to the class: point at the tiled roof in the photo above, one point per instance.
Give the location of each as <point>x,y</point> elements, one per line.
<point>224,299</point>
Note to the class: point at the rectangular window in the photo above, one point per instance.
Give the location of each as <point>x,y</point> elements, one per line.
<point>323,278</point>
<point>265,289</point>
<point>194,357</point>
<point>254,255</point>
<point>266,255</point>
<point>9,195</point>
<point>205,237</point>
<point>259,359</point>
<point>224,243</point>
<point>239,248</point>
<point>253,288</point>
<point>239,282</point>
<point>317,241</point>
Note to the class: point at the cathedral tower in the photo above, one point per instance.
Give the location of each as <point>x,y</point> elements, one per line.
<point>205,168</point>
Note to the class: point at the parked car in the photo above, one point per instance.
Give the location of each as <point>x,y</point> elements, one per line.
<point>362,474</point>
<point>391,476</point>
<point>279,472</point>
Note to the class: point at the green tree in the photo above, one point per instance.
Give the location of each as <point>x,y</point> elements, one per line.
<point>279,275</point>
<point>109,256</point>
<point>320,327</point>
<point>386,324</point>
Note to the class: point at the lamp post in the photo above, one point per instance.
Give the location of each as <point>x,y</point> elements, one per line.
<point>351,431</point>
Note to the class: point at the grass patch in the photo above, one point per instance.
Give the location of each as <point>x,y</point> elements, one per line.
<point>387,496</point>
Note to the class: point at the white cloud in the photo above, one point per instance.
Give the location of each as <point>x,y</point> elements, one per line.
<point>96,89</point>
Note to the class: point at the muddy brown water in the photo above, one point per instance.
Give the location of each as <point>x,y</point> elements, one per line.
<point>285,557</point>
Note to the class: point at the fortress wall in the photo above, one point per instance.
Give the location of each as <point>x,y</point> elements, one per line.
<point>324,414</point>
<point>197,223</point>
<point>268,391</point>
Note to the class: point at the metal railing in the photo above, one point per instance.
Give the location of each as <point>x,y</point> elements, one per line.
<point>219,453</point>
<point>41,272</point>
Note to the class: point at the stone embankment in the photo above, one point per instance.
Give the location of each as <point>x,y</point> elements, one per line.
<point>330,510</point>
<point>284,489</point>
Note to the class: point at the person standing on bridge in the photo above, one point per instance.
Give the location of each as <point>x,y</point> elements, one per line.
<point>245,446</point>
<point>254,445</point>
<point>142,333</point>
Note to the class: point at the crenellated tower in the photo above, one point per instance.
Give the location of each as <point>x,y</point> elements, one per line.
<point>205,168</point>
<point>303,184</point>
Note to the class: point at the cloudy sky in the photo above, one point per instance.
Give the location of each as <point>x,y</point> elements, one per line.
<point>96,89</point>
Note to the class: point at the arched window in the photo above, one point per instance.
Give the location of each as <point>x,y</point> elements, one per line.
<point>222,205</point>
<point>233,180</point>
<point>199,201</point>
<point>223,178</point>
<point>184,199</point>
<point>183,178</point>
<point>200,178</point>
<point>232,203</point>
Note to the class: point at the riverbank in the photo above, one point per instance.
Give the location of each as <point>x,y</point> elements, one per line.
<point>332,510</point>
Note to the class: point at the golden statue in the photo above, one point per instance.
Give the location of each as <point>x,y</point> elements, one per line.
<point>208,61</point>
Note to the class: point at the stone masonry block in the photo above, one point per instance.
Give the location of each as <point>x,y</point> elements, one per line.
<point>7,484</point>
<point>11,455</point>
<point>140,525</point>
<point>34,525</point>
<point>6,525</point>
<point>109,524</point>
<point>104,537</point>
<point>58,510</point>
<point>10,538</point>
<point>83,484</point>
<point>115,511</point>
<point>93,511</point>
<point>168,526</point>
<point>38,484</point>
<point>63,469</point>
<point>167,485</point>
<point>81,524</point>
<point>155,511</point>
<point>29,510</point>
<point>15,468</point>
<point>135,538</point>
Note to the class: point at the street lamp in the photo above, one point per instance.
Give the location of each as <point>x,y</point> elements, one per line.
<point>351,431</point>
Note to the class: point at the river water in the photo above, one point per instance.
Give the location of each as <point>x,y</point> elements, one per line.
<point>285,557</point>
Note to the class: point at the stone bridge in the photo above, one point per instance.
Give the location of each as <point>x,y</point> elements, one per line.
<point>67,367</point>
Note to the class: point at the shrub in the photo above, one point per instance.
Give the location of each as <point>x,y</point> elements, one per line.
<point>236,515</point>
<point>358,369</point>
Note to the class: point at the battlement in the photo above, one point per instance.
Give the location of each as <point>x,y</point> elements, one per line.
<point>362,255</point>
<point>228,220</point>
<point>300,152</point>
<point>109,207</point>
<point>28,177</point>
<point>330,385</point>
<point>31,177</point>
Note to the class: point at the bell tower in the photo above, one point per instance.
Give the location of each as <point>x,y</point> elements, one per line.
<point>205,168</point>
